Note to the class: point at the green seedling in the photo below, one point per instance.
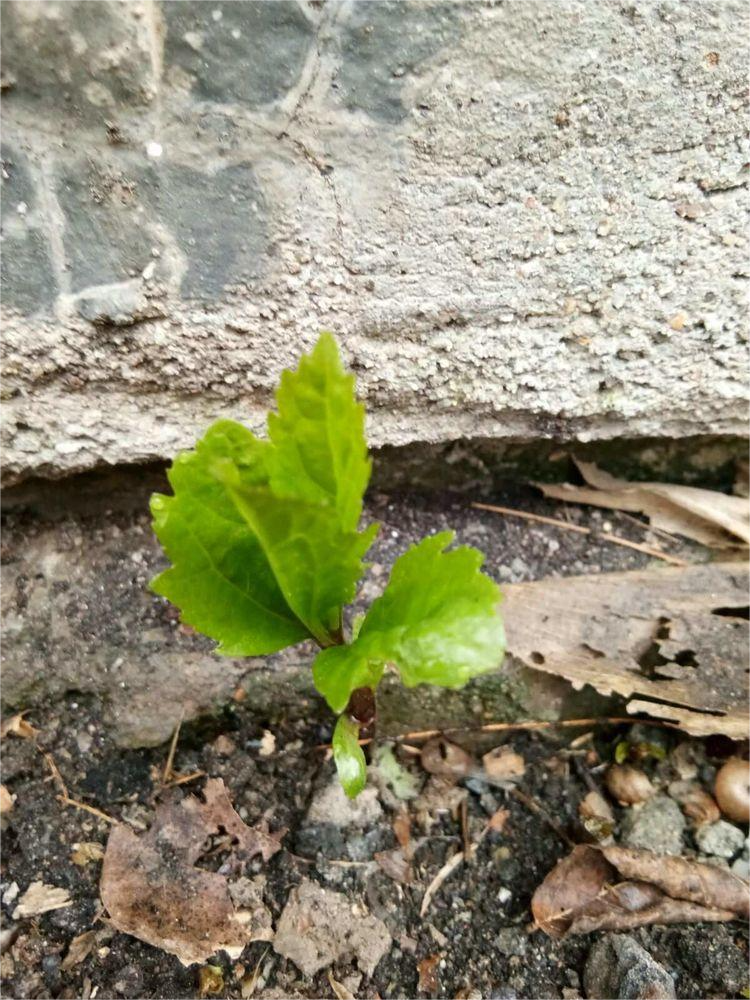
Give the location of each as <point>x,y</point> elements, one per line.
<point>266,551</point>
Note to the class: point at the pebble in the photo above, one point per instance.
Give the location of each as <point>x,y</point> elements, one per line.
<point>618,967</point>
<point>656,826</point>
<point>511,941</point>
<point>720,839</point>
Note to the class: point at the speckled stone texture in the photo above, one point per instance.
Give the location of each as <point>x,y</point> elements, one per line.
<point>523,220</point>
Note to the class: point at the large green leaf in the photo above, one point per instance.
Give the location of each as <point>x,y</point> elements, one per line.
<point>349,756</point>
<point>320,452</point>
<point>220,577</point>
<point>437,622</point>
<point>316,564</point>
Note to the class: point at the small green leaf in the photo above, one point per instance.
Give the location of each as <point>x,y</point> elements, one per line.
<point>437,622</point>
<point>220,577</point>
<point>316,564</point>
<point>320,452</point>
<point>349,757</point>
<point>342,669</point>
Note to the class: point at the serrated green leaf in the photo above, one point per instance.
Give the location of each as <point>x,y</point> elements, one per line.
<point>316,564</point>
<point>320,452</point>
<point>220,578</point>
<point>437,622</point>
<point>349,756</point>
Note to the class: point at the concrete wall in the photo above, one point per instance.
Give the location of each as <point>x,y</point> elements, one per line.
<point>523,219</point>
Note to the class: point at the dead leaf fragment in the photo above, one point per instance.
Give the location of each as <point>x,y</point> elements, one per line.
<point>16,725</point>
<point>40,898</point>
<point>498,819</point>
<point>153,890</point>
<point>447,760</point>
<point>340,991</point>
<point>504,765</point>
<point>395,865</point>
<point>428,974</point>
<point>85,852</point>
<point>6,800</point>
<point>78,950</point>
<point>707,516</point>
<point>696,803</point>
<point>615,888</point>
<point>675,638</point>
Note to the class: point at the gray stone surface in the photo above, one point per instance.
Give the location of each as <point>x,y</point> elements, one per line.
<point>523,220</point>
<point>28,282</point>
<point>721,839</point>
<point>655,826</point>
<point>618,967</point>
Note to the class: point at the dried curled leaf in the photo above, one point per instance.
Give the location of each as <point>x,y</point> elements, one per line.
<point>504,765</point>
<point>153,890</point>
<point>40,898</point>
<point>616,888</point>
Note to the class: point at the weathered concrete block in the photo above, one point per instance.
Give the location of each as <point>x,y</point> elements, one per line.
<point>524,220</point>
<point>77,59</point>
<point>250,53</point>
<point>106,221</point>
<point>28,280</point>
<point>382,44</point>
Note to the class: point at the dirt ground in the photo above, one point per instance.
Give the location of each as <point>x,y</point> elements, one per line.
<point>477,925</point>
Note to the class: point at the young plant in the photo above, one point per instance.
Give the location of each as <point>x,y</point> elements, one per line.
<point>265,550</point>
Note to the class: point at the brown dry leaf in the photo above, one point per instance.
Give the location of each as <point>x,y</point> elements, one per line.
<point>504,765</point>
<point>616,888</point>
<point>78,950</point>
<point>85,852</point>
<point>40,898</point>
<point>339,989</point>
<point>674,638</point>
<point>153,890</point>
<point>498,819</point>
<point>395,865</point>
<point>6,800</point>
<point>428,974</point>
<point>707,516</point>
<point>402,828</point>
<point>447,760</point>
<point>696,803</point>
<point>16,725</point>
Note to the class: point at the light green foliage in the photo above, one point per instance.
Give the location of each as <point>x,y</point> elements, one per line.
<point>436,622</point>
<point>349,756</point>
<point>265,553</point>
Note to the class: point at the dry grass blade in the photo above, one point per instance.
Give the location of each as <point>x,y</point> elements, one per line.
<point>448,868</point>
<point>581,530</point>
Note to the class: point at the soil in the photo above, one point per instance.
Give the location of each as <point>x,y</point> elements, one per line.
<point>477,924</point>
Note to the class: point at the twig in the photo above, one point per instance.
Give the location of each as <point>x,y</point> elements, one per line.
<point>64,798</point>
<point>541,811</point>
<point>469,849</point>
<point>55,772</point>
<point>184,778</point>
<point>449,867</point>
<point>168,772</point>
<point>502,727</point>
<point>67,801</point>
<point>556,522</point>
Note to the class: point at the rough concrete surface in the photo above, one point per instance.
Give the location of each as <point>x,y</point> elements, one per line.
<point>523,220</point>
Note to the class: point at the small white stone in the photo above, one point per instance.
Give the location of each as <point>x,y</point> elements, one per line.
<point>154,149</point>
